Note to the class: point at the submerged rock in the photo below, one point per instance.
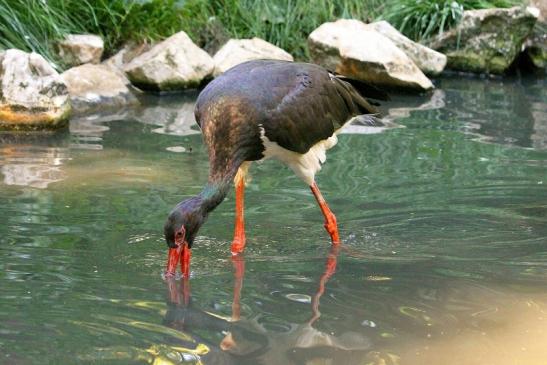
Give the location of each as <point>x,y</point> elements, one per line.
<point>429,61</point>
<point>352,48</point>
<point>172,115</point>
<point>487,40</point>
<point>32,94</point>
<point>77,49</point>
<point>93,86</point>
<point>237,51</point>
<point>174,64</point>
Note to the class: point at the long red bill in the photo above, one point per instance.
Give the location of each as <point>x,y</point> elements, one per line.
<point>173,260</point>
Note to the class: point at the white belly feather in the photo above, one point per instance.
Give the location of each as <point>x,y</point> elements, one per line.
<point>304,165</point>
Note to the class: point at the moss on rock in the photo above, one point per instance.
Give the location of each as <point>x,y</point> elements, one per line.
<point>486,40</point>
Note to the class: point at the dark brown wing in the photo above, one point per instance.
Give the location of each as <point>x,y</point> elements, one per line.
<point>310,104</point>
<point>295,104</point>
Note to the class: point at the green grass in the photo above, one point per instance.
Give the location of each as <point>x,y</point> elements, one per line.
<point>285,23</point>
<point>423,19</point>
<point>37,25</point>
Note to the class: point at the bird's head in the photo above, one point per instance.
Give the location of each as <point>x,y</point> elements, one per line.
<point>183,223</point>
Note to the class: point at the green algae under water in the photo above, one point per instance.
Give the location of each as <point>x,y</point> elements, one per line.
<point>443,221</point>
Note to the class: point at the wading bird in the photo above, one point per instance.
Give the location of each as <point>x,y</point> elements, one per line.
<point>265,109</point>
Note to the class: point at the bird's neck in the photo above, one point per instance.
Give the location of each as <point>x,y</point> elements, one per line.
<point>217,188</point>
<point>212,195</point>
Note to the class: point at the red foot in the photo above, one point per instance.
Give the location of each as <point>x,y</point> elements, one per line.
<point>238,245</point>
<point>332,228</point>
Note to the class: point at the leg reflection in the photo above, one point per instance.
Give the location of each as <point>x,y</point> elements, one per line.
<point>330,269</point>
<point>238,263</point>
<point>178,290</point>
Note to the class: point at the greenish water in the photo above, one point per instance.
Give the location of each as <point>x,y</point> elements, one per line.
<point>443,221</point>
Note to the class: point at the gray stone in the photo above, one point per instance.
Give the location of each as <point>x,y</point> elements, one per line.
<point>97,86</point>
<point>174,64</point>
<point>487,40</point>
<point>125,55</point>
<point>32,94</point>
<point>77,49</point>
<point>237,51</point>
<point>351,48</point>
<point>429,61</point>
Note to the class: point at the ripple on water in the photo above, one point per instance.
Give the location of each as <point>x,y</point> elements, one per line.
<point>443,241</point>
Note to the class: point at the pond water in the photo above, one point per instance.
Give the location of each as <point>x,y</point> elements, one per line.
<point>442,215</point>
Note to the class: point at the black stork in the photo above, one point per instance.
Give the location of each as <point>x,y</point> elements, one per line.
<point>265,109</point>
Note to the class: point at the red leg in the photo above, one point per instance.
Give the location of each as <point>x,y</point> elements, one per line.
<point>238,244</point>
<point>330,219</point>
<point>330,269</point>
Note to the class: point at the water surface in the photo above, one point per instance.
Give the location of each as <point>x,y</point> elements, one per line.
<point>442,214</point>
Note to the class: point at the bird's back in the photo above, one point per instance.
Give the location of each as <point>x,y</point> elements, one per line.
<point>295,105</point>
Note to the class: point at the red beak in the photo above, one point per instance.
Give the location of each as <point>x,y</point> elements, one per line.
<point>173,260</point>
<point>180,253</point>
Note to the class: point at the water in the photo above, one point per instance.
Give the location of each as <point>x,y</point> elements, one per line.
<point>443,216</point>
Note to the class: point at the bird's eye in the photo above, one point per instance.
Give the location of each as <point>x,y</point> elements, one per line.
<point>179,233</point>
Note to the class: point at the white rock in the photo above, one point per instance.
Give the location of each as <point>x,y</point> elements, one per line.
<point>77,49</point>
<point>237,51</point>
<point>32,94</point>
<point>351,48</point>
<point>429,61</point>
<point>174,64</point>
<point>92,86</point>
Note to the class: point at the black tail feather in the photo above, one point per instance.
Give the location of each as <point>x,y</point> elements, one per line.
<point>365,89</point>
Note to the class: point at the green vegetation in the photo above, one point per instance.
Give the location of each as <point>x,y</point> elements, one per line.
<point>285,23</point>
<point>36,25</point>
<point>422,19</point>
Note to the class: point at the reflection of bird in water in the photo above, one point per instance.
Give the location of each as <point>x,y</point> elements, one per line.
<point>265,109</point>
<point>242,341</point>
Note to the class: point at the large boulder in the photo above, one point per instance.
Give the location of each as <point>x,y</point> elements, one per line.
<point>93,86</point>
<point>486,40</point>
<point>429,61</point>
<point>77,49</point>
<point>351,48</point>
<point>174,64</point>
<point>237,51</point>
<point>32,94</point>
